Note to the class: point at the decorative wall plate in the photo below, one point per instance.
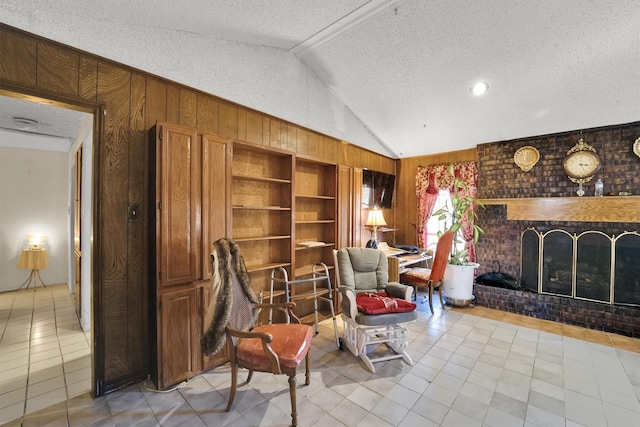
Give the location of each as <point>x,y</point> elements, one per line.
<point>526,157</point>
<point>636,147</point>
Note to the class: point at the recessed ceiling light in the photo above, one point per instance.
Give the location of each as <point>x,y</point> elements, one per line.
<point>479,88</point>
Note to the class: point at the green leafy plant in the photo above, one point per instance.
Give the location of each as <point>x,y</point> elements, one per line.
<point>452,213</point>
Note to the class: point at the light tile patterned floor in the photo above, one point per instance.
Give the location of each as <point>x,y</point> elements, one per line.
<point>473,367</point>
<point>45,358</point>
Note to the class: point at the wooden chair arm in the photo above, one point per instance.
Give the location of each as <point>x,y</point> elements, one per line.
<point>249,334</point>
<point>266,338</point>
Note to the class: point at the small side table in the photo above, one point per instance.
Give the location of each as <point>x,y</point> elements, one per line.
<point>34,259</point>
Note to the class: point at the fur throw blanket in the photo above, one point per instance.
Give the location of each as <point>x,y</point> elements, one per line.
<point>227,261</point>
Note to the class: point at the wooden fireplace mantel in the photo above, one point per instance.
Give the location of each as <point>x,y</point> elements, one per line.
<point>571,209</point>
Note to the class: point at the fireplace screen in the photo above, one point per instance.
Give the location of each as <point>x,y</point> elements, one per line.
<point>627,269</point>
<point>530,260</point>
<point>557,265</point>
<point>591,266</point>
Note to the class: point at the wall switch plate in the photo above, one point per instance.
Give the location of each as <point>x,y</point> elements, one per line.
<point>133,213</point>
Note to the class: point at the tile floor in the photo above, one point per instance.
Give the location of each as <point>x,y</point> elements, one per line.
<point>472,367</point>
<point>44,355</point>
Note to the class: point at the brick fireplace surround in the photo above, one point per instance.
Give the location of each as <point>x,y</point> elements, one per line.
<point>499,177</point>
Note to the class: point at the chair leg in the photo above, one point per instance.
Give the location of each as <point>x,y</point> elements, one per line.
<point>414,295</point>
<point>307,363</point>
<point>425,298</point>
<point>431,298</point>
<point>440,293</point>
<point>234,385</point>
<point>292,394</point>
<point>351,335</point>
<point>249,376</point>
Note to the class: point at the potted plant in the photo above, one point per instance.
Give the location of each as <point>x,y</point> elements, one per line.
<point>458,279</point>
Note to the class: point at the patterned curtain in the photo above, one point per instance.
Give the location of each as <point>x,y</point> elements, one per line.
<point>427,195</point>
<point>429,181</point>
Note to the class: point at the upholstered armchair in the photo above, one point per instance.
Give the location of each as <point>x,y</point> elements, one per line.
<point>364,272</point>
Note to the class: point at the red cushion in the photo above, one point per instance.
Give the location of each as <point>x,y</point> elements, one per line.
<point>290,342</point>
<point>381,303</point>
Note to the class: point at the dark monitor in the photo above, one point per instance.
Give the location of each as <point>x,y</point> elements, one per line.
<point>377,189</point>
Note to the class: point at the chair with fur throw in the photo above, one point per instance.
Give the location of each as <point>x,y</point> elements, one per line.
<point>231,317</point>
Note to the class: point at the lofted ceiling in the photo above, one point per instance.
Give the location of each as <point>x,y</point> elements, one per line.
<point>405,67</point>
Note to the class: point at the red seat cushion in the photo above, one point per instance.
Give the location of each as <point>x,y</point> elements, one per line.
<point>290,342</point>
<point>381,303</point>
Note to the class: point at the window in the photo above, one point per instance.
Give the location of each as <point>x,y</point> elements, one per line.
<point>434,225</point>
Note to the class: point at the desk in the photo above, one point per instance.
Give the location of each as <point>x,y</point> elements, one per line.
<point>34,259</point>
<point>399,264</point>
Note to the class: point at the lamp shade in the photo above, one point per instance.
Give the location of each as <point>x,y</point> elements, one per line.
<point>375,218</point>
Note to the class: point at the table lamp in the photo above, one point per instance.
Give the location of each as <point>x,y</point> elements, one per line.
<point>375,220</point>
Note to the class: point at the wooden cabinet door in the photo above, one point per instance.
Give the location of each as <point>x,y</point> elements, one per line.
<point>216,199</point>
<point>345,206</point>
<point>178,181</point>
<point>359,215</point>
<point>179,337</point>
<point>350,212</point>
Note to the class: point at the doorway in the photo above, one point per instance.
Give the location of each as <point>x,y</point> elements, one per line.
<point>47,343</point>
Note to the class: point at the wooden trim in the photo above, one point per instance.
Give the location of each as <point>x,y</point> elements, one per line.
<point>315,159</point>
<point>98,355</point>
<point>571,209</point>
<point>24,93</point>
<point>248,145</point>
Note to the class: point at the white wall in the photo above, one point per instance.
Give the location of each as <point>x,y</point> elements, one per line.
<point>33,199</point>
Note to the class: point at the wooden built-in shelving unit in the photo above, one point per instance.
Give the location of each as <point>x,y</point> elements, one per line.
<point>278,201</point>
<point>267,200</point>
<point>315,221</point>
<point>261,204</point>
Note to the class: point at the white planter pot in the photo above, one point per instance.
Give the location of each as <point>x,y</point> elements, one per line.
<point>458,284</point>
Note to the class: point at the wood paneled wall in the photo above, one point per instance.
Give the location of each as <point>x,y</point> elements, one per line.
<point>130,101</point>
<point>405,201</point>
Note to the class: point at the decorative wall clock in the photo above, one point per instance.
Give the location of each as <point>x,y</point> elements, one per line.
<point>636,147</point>
<point>581,164</point>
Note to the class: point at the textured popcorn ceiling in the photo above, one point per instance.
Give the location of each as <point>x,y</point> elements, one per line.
<point>392,76</point>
